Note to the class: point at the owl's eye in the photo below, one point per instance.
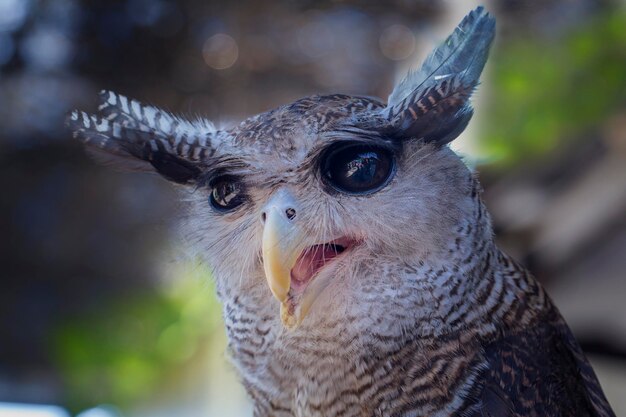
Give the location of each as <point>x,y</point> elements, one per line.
<point>357,168</point>
<point>226,194</point>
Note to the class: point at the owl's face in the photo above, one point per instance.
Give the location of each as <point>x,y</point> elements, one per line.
<point>314,209</point>
<point>318,206</point>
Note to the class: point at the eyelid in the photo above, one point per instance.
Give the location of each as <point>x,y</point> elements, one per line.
<point>390,146</point>
<point>222,176</point>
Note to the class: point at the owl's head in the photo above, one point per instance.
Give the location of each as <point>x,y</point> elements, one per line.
<point>313,202</point>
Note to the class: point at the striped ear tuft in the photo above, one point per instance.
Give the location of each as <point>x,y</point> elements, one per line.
<point>433,102</point>
<point>133,136</point>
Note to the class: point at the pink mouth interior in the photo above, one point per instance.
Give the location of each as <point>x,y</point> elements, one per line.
<point>313,259</point>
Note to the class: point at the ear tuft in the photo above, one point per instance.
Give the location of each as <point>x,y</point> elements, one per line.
<point>433,102</point>
<point>132,136</point>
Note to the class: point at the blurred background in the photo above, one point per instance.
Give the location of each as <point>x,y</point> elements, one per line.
<point>101,314</point>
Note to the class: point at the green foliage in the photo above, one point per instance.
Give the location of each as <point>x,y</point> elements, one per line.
<point>545,91</point>
<point>122,353</point>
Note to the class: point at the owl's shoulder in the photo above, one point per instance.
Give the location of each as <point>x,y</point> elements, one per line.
<point>539,371</point>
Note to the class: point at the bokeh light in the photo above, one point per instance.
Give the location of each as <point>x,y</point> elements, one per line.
<point>46,49</point>
<point>316,38</point>
<point>397,42</point>
<point>13,13</point>
<point>220,51</point>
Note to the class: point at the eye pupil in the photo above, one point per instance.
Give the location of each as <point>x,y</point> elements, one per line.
<point>226,194</point>
<point>357,168</point>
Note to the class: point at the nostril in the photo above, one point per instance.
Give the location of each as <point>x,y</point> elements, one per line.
<point>263,217</point>
<point>291,213</point>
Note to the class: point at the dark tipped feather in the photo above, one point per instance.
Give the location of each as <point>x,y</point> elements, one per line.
<point>462,56</point>
<point>433,102</point>
<point>129,135</point>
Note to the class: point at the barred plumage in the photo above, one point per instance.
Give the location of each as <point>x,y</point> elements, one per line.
<point>136,132</point>
<point>433,102</point>
<point>354,257</point>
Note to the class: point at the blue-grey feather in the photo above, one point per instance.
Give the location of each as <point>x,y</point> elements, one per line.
<point>462,56</point>
<point>432,103</point>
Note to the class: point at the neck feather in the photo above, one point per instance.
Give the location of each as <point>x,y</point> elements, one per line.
<point>480,288</point>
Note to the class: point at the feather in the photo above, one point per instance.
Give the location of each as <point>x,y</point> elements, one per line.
<point>129,112</point>
<point>433,102</point>
<point>132,136</point>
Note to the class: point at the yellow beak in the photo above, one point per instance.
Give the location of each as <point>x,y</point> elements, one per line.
<point>283,242</point>
<point>280,251</point>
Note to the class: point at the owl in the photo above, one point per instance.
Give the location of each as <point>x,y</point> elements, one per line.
<point>353,254</point>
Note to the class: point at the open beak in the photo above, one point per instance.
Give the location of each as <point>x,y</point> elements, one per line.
<point>291,259</point>
<point>283,242</point>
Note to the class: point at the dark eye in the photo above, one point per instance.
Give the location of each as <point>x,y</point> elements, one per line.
<point>357,168</point>
<point>226,194</point>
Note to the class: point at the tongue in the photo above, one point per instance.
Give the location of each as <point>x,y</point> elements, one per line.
<point>309,263</point>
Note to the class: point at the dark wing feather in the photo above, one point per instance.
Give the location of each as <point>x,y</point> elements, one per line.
<point>540,372</point>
